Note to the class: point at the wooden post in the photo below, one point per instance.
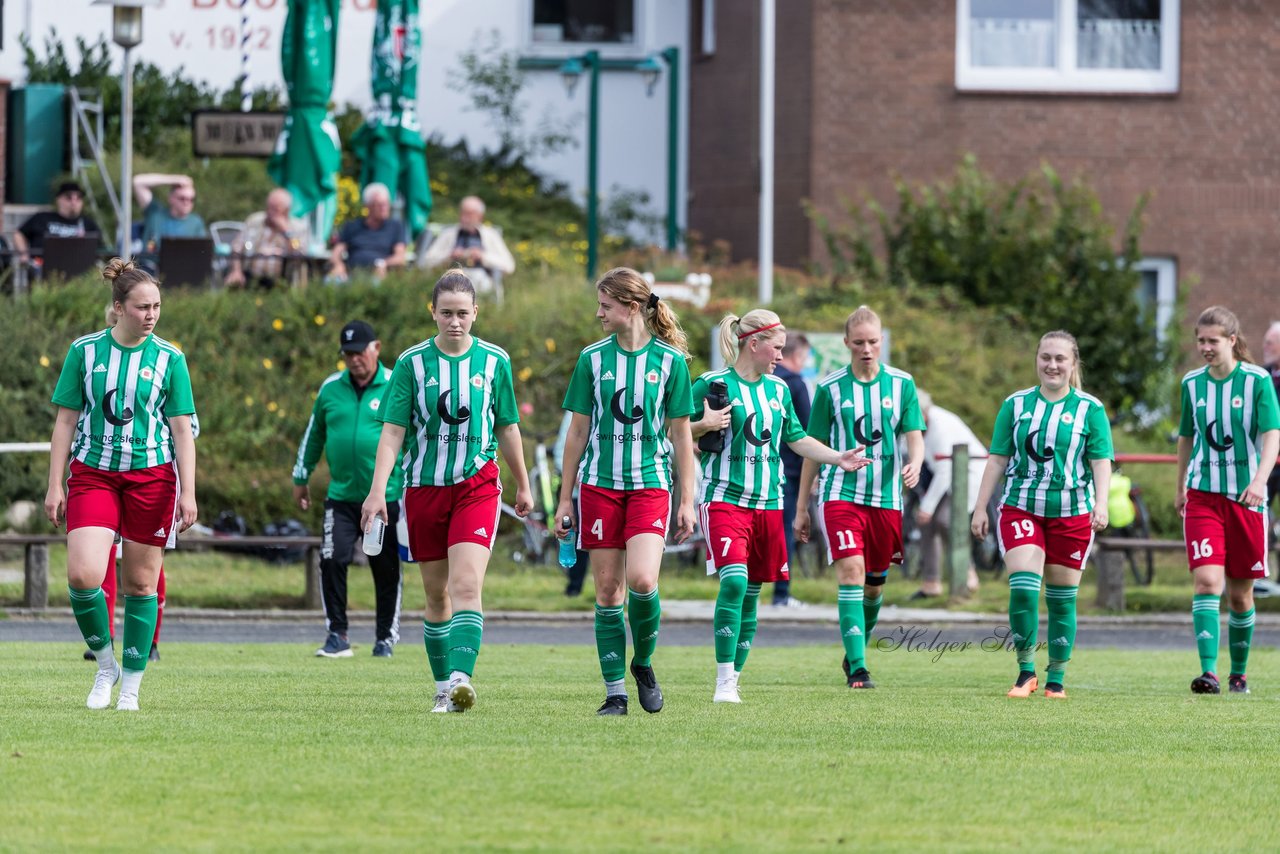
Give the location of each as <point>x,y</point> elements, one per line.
<point>960,545</point>
<point>311,599</point>
<point>1111,566</point>
<point>35,592</point>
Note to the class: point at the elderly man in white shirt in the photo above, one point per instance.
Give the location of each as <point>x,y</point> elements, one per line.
<point>944,430</point>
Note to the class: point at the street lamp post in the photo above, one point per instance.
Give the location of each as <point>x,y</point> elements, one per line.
<point>672,57</point>
<point>569,72</point>
<point>126,31</point>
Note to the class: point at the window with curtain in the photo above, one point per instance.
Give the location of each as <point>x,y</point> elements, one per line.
<point>584,21</point>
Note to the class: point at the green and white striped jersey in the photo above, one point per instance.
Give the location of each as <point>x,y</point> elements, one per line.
<point>848,412</point>
<point>450,407</point>
<point>748,472</point>
<point>1050,446</point>
<point>1225,420</point>
<point>125,397</point>
<point>629,397</point>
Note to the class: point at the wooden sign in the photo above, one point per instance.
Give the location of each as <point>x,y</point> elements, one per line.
<point>228,133</point>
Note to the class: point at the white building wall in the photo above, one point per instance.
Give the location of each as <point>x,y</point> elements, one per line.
<point>203,37</point>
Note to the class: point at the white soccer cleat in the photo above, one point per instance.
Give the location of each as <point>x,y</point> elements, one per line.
<point>727,690</point>
<point>127,702</point>
<point>441,703</point>
<point>103,682</point>
<point>461,697</point>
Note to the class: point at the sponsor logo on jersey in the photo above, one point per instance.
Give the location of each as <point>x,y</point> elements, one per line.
<point>619,415</point>
<point>482,532</point>
<point>607,377</point>
<point>1026,416</point>
<point>887,402</point>
<point>159,532</point>
<point>853,632</point>
<point>146,373</point>
<point>1029,445</point>
<point>749,433</point>
<point>430,382</point>
<point>1060,641</point>
<point>724,632</point>
<point>1200,403</point>
<point>442,409</point>
<point>1067,418</point>
<point>860,432</point>
<point>1205,634</point>
<point>108,410</point>
<point>736,402</point>
<point>100,369</point>
<point>613,656</point>
<point>375,403</point>
<point>848,404</point>
<point>775,406</point>
<point>1237,402</point>
<point>1220,442</point>
<point>1077,556</point>
<point>651,378</point>
<point>477,381</point>
<point>132,652</point>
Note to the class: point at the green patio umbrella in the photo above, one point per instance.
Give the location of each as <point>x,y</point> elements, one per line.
<point>308,153</point>
<point>389,144</point>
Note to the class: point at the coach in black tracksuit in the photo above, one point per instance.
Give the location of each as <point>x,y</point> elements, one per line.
<point>344,427</point>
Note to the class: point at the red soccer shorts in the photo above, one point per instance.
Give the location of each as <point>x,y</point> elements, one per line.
<point>607,518</point>
<point>443,516</point>
<point>1065,541</point>
<point>741,535</point>
<point>140,505</point>
<point>1220,531</point>
<point>856,529</point>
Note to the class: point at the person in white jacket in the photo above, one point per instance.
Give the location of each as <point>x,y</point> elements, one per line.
<point>944,431</point>
<point>477,247</point>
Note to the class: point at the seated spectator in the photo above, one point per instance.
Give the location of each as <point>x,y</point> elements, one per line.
<point>269,235</point>
<point>477,247</point>
<point>67,219</point>
<point>175,219</point>
<point>375,241</point>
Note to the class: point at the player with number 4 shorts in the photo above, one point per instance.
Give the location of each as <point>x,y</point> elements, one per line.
<point>742,480</point>
<point>630,400</point>
<point>873,406</point>
<point>1228,438</point>
<point>451,407</point>
<point>1052,445</point>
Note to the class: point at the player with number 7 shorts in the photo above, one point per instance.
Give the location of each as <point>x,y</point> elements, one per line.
<point>1052,443</point>
<point>1228,437</point>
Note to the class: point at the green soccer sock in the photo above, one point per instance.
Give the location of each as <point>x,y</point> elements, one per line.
<point>466,630</point>
<point>139,630</point>
<point>90,609</point>
<point>435,636</point>
<point>1239,638</point>
<point>1061,604</point>
<point>645,613</point>
<point>1204,622</point>
<point>1024,617</point>
<point>853,634</point>
<point>747,632</point>
<point>871,599</point>
<point>611,642</point>
<point>728,614</point>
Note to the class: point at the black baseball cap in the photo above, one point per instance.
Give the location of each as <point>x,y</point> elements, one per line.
<point>69,187</point>
<point>356,337</point>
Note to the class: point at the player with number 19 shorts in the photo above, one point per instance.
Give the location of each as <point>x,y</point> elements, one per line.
<point>1052,444</point>
<point>124,419</point>
<point>630,400</point>
<point>451,407</point>
<point>1228,438</point>
<point>872,406</point>
<point>742,477</point>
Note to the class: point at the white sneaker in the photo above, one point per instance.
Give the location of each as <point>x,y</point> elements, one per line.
<point>100,696</point>
<point>727,690</point>
<point>441,702</point>
<point>127,702</point>
<point>461,697</point>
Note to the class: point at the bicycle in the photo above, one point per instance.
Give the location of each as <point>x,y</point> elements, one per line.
<point>1142,562</point>
<point>537,542</point>
<point>984,553</point>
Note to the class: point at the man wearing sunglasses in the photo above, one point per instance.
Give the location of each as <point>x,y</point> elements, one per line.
<point>177,218</point>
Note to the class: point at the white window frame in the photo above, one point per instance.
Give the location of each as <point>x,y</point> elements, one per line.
<point>1066,77</point>
<point>1166,270</point>
<point>637,49</point>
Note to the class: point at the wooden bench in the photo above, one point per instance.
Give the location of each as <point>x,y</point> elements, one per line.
<point>35,564</point>
<point>1111,565</point>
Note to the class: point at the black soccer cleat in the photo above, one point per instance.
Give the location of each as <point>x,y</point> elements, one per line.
<point>615,705</point>
<point>647,683</point>
<point>1206,683</point>
<point>89,656</point>
<point>861,678</point>
<point>1237,683</point>
<point>844,665</point>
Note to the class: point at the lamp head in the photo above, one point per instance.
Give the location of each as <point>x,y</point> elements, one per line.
<point>570,73</point>
<point>126,20</point>
<point>650,71</point>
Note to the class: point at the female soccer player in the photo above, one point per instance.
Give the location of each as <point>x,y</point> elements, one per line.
<point>455,394</point>
<point>1227,442</point>
<point>870,405</point>
<point>124,418</point>
<point>1052,443</point>
<point>628,393</point>
<point>742,482</point>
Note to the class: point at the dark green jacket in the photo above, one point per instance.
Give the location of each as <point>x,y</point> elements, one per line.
<point>345,428</point>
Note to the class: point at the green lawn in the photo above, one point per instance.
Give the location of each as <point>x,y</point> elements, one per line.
<point>261,747</point>
<point>221,580</point>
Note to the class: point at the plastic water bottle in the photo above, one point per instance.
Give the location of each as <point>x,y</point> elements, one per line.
<point>373,537</point>
<point>568,548</point>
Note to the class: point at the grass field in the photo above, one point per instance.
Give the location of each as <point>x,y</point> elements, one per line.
<point>259,747</point>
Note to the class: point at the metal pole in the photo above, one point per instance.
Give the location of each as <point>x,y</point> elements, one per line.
<point>592,60</point>
<point>767,18</point>
<point>672,57</point>
<point>958,537</point>
<point>126,158</point>
<point>246,94</point>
